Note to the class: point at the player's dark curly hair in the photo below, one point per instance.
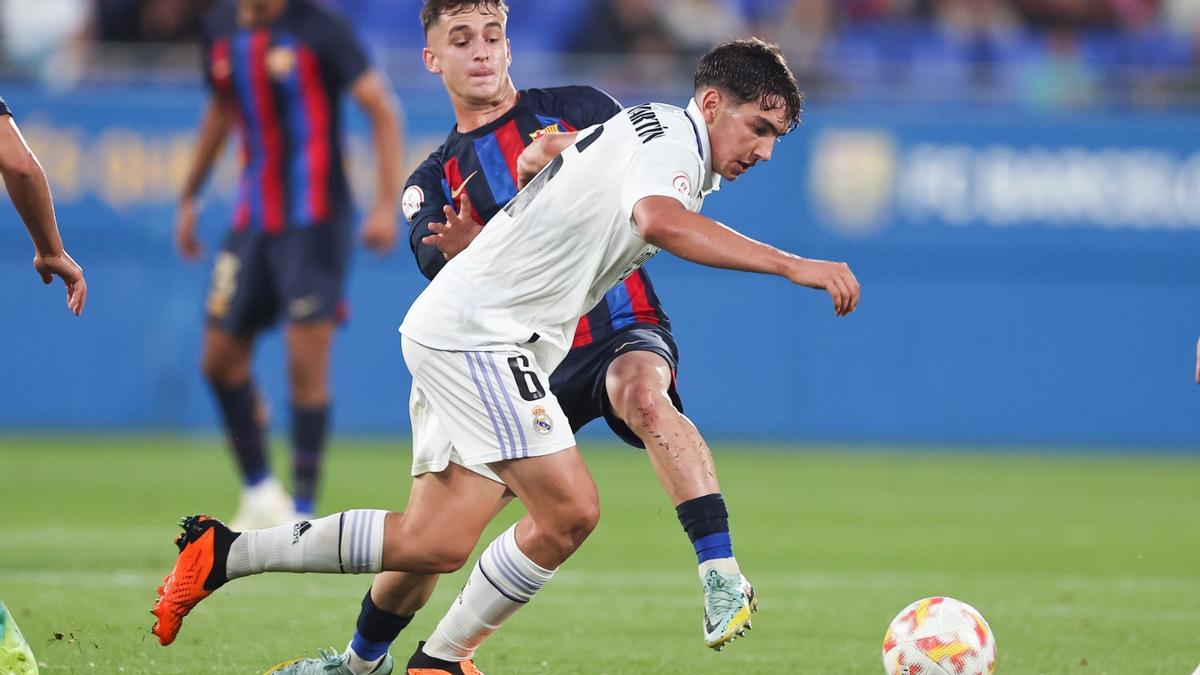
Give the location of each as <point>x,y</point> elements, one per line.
<point>752,70</point>
<point>436,8</point>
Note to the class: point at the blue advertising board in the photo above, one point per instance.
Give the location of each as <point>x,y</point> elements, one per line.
<point>1028,277</point>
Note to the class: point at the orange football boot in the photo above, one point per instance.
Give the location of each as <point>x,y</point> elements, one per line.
<point>423,664</point>
<point>199,570</point>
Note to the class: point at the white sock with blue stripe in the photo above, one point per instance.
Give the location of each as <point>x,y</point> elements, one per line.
<point>350,542</point>
<point>501,582</point>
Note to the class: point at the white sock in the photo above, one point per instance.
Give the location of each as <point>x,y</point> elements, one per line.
<point>501,582</point>
<point>350,542</point>
<point>726,565</point>
<point>359,665</point>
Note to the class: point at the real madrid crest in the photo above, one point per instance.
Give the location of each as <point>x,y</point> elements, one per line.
<point>541,421</point>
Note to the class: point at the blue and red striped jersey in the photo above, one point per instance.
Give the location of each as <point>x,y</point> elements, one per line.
<point>483,164</point>
<point>283,82</point>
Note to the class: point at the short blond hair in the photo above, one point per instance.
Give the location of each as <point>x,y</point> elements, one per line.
<point>435,9</point>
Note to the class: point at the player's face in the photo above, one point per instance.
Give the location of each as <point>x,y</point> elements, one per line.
<point>471,52</point>
<point>741,134</point>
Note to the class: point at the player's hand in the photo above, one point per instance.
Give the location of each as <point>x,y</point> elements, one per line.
<point>62,266</point>
<point>456,234</point>
<point>379,231</point>
<point>541,152</point>
<point>531,160</point>
<point>185,231</point>
<point>834,277</point>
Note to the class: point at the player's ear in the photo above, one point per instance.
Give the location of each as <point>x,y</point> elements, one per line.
<point>709,100</point>
<point>507,51</point>
<point>431,61</point>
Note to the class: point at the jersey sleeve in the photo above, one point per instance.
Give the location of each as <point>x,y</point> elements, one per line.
<point>596,106</point>
<point>422,202</point>
<point>4,108</point>
<point>661,168</point>
<point>584,106</point>
<point>344,55</point>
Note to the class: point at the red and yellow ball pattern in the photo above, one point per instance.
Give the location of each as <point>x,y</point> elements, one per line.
<point>939,636</point>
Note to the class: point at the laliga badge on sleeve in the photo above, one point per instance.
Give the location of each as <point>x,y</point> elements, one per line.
<point>412,200</point>
<point>682,185</point>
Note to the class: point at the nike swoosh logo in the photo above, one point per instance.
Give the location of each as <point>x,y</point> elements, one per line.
<point>462,186</point>
<point>708,627</point>
<point>631,342</point>
<point>302,307</point>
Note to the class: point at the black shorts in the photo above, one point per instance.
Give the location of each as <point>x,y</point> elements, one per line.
<point>579,381</point>
<point>300,272</point>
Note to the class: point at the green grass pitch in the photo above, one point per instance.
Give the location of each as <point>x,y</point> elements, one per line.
<point>1081,563</point>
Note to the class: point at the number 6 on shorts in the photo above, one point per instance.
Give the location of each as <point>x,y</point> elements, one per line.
<point>528,384</point>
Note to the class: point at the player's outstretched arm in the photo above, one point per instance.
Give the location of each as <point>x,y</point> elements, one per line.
<point>371,93</point>
<point>665,223</point>
<point>30,193</point>
<point>214,129</point>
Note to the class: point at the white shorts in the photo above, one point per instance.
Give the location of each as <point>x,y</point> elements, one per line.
<point>474,408</point>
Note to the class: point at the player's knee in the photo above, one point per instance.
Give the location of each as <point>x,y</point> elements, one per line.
<point>225,361</point>
<point>569,527</point>
<point>211,370</point>
<point>222,372</point>
<point>639,402</point>
<point>637,392</point>
<point>578,521</point>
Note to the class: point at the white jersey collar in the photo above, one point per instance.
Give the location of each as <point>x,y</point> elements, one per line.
<point>712,181</point>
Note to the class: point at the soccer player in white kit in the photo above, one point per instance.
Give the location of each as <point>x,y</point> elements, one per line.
<point>483,336</point>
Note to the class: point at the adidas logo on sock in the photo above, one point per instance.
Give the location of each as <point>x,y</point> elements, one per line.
<point>299,529</point>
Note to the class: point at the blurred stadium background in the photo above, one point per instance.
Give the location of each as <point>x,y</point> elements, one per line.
<point>1016,184</point>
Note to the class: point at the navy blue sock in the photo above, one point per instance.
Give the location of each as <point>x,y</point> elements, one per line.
<point>376,630</point>
<point>706,522</point>
<point>241,427</point>
<point>309,428</point>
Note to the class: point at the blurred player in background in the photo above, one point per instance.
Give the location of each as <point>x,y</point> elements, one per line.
<point>485,425</point>
<point>277,70</point>
<point>623,358</point>
<point>30,194</point>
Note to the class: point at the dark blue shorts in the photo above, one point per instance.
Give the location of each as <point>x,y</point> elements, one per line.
<point>299,273</point>
<point>579,381</point>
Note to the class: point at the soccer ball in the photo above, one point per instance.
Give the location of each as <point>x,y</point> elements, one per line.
<point>939,636</point>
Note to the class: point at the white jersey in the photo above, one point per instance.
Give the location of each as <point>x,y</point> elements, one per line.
<point>564,240</point>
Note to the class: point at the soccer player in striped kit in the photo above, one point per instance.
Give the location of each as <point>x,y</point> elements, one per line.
<point>277,70</point>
